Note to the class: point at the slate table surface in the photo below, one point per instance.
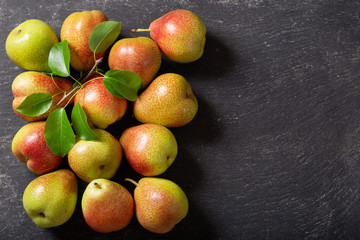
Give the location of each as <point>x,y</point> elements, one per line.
<point>273,152</point>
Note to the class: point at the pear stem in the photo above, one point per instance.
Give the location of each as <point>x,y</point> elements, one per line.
<point>140,30</point>
<point>97,185</point>
<point>132,181</point>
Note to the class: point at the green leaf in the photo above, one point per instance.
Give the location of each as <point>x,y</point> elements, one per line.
<point>104,35</point>
<point>59,59</point>
<point>59,135</point>
<point>124,84</point>
<point>35,104</point>
<point>80,124</point>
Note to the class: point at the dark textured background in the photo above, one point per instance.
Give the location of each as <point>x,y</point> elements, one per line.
<point>274,150</point>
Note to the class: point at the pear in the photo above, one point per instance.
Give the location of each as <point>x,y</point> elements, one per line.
<point>76,30</point>
<point>28,45</point>
<point>160,204</point>
<point>96,159</point>
<point>101,107</point>
<point>140,55</point>
<point>50,199</point>
<point>149,148</point>
<point>107,206</point>
<point>168,101</point>
<point>30,82</point>
<point>180,34</point>
<point>29,147</point>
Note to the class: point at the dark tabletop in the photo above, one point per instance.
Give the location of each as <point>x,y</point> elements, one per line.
<point>273,152</point>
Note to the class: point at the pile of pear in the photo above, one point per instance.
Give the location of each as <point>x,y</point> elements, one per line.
<point>150,148</point>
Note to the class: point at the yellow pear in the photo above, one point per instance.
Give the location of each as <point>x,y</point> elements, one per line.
<point>50,199</point>
<point>168,101</point>
<point>96,159</point>
<point>160,204</point>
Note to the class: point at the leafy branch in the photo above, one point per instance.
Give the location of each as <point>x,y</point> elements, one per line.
<point>59,132</point>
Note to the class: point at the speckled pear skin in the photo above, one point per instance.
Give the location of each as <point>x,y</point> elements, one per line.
<point>28,45</point>
<point>96,159</point>
<point>107,206</point>
<point>159,204</point>
<point>29,147</point>
<point>149,148</point>
<point>168,101</point>
<point>180,34</point>
<point>30,82</point>
<point>50,199</point>
<point>76,30</point>
<point>140,55</point>
<point>101,107</point>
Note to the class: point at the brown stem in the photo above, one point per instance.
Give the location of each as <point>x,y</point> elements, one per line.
<point>66,95</point>
<point>97,62</point>
<point>97,185</point>
<point>132,181</point>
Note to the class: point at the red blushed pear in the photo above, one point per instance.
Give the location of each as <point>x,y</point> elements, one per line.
<point>101,107</point>
<point>160,204</point>
<point>29,147</point>
<point>107,206</point>
<point>76,30</point>
<point>180,35</point>
<point>30,82</point>
<point>149,148</point>
<point>140,55</point>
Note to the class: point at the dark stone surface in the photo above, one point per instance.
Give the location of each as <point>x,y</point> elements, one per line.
<point>274,150</point>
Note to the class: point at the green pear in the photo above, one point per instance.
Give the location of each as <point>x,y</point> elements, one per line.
<point>180,35</point>
<point>149,148</point>
<point>96,159</point>
<point>168,100</point>
<point>107,206</point>
<point>50,199</point>
<point>159,204</point>
<point>28,45</point>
